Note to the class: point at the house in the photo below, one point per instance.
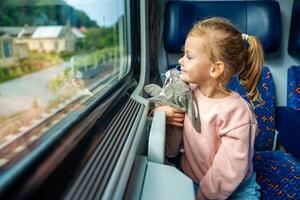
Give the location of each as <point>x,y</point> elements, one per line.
<point>54,39</point>
<point>11,48</point>
<point>15,42</point>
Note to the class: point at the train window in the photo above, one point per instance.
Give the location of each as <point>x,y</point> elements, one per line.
<point>55,56</point>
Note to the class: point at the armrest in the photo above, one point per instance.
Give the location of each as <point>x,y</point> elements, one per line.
<point>157,138</point>
<point>288,127</point>
<point>166,182</point>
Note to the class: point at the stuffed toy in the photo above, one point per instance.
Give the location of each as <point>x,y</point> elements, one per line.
<point>175,93</point>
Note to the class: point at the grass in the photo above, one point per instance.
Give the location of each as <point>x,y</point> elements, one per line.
<point>89,60</point>
<point>35,62</point>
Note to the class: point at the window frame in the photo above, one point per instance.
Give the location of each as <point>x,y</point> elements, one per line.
<point>35,169</point>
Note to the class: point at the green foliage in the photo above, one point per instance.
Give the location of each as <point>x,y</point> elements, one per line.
<point>99,38</point>
<point>66,55</point>
<point>4,74</point>
<point>84,20</point>
<point>35,2</point>
<point>4,19</point>
<point>91,59</point>
<point>2,118</point>
<point>35,61</point>
<point>56,83</point>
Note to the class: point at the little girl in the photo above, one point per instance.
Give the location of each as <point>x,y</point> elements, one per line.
<point>219,158</point>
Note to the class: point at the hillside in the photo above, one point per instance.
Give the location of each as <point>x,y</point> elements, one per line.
<point>41,12</point>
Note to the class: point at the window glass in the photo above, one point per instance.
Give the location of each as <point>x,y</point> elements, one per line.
<point>53,54</point>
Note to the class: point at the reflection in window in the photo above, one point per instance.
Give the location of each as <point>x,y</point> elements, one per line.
<point>51,56</point>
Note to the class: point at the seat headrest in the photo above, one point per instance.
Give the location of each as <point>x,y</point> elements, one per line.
<point>259,18</point>
<point>294,39</point>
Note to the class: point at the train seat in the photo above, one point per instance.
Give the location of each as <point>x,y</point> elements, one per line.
<point>294,37</point>
<point>277,172</point>
<point>288,117</point>
<point>293,90</point>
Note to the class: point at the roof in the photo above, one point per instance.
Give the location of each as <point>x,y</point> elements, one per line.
<point>26,31</point>
<point>39,32</point>
<point>11,30</point>
<point>47,32</point>
<point>77,33</point>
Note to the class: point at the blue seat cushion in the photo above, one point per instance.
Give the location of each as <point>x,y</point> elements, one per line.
<point>278,174</point>
<point>293,88</point>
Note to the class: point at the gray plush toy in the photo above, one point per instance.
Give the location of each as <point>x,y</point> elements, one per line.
<point>175,93</point>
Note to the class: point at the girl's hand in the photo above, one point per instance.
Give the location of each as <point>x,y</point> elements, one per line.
<point>174,117</point>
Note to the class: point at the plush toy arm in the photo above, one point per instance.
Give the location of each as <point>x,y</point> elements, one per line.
<point>181,101</point>
<point>153,90</point>
<point>193,112</point>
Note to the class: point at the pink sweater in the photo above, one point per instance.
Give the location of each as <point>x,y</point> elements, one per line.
<point>220,157</point>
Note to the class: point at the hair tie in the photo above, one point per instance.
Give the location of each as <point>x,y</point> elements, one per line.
<point>245,36</point>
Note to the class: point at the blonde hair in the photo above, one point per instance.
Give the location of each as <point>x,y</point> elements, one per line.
<point>242,56</point>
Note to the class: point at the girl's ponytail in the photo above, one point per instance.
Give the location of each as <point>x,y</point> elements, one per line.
<point>249,75</point>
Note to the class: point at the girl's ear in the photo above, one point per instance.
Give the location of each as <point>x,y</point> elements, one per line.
<point>217,69</point>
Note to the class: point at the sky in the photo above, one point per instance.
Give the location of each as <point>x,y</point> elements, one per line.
<point>104,12</point>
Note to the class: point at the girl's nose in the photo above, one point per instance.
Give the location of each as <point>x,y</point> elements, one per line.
<point>180,61</point>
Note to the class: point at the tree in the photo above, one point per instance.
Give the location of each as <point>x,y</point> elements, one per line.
<point>98,38</point>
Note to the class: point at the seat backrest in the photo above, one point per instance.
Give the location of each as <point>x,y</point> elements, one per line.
<point>265,113</point>
<point>293,85</point>
<point>259,18</point>
<point>294,38</point>
<point>293,88</point>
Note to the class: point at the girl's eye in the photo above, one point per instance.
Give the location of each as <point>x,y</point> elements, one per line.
<point>188,57</point>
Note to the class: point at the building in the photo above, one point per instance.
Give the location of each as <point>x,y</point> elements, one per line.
<point>54,39</point>
<point>15,42</point>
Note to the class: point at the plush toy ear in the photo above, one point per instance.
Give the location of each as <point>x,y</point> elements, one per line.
<point>153,90</point>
